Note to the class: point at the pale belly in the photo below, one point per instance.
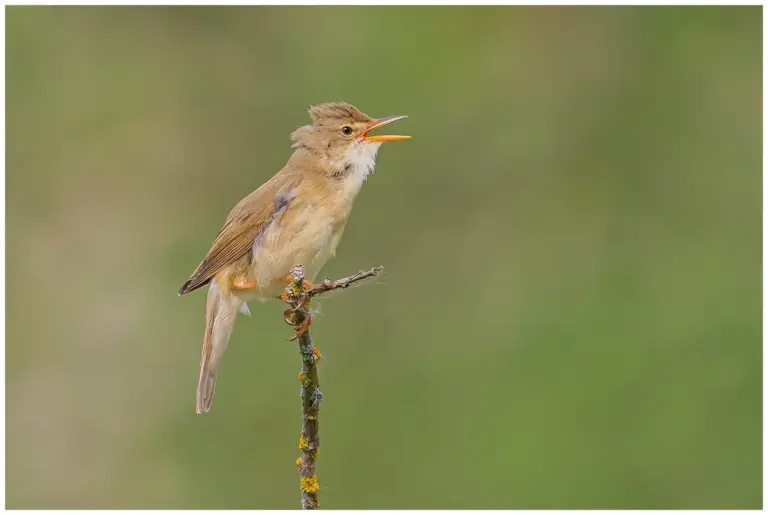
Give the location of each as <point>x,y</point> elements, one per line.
<point>309,241</point>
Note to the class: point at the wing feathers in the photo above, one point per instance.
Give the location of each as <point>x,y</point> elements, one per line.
<point>245,223</point>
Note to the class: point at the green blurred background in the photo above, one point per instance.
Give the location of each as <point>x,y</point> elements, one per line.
<point>571,311</point>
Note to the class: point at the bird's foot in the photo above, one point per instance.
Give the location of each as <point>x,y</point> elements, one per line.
<point>289,315</point>
<point>302,327</point>
<point>293,290</point>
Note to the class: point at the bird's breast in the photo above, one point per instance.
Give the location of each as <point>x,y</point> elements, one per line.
<point>307,236</point>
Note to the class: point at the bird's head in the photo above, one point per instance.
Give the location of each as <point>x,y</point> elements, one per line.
<point>341,135</point>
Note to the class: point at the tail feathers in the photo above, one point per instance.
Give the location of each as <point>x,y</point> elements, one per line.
<point>220,314</point>
<point>206,387</point>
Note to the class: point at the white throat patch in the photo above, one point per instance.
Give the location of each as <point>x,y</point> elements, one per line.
<point>361,158</point>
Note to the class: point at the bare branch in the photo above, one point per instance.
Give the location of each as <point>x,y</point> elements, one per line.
<point>298,295</point>
<point>329,285</point>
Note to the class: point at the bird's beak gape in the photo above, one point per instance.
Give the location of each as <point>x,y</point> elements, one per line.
<point>380,123</point>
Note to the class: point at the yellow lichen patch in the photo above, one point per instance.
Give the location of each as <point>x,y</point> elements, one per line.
<point>298,461</point>
<point>316,352</point>
<point>305,379</point>
<point>310,417</point>
<point>310,484</point>
<point>303,443</point>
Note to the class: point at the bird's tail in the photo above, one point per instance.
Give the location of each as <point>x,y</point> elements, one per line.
<point>220,313</point>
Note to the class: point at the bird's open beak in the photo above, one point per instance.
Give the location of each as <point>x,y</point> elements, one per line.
<point>380,123</point>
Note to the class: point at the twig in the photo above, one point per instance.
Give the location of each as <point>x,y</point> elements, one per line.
<point>298,294</point>
<point>329,285</point>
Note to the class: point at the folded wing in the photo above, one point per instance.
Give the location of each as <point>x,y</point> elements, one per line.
<point>245,223</point>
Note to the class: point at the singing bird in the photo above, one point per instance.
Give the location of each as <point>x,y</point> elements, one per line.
<point>296,217</point>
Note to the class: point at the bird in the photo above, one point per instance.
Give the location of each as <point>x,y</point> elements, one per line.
<point>296,217</point>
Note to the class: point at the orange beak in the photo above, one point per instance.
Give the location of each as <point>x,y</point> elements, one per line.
<point>381,122</point>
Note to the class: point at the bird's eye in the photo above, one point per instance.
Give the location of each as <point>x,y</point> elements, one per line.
<point>346,130</point>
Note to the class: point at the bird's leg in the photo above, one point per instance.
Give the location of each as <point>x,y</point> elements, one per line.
<point>239,283</point>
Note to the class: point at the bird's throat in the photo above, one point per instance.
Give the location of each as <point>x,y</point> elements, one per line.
<point>359,162</point>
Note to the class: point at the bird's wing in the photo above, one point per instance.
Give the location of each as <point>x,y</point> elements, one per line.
<point>247,220</point>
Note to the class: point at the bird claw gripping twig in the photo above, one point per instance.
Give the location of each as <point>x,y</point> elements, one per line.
<point>302,327</point>
<point>298,294</point>
<point>289,315</point>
